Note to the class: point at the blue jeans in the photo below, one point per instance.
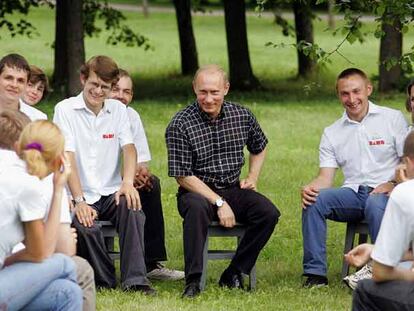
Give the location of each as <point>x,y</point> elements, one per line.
<point>49,285</point>
<point>339,204</point>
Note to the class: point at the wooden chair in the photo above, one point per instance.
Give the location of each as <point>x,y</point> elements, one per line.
<point>215,230</point>
<point>352,229</point>
<point>109,233</point>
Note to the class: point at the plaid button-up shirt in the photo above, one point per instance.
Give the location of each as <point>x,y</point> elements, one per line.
<point>211,149</point>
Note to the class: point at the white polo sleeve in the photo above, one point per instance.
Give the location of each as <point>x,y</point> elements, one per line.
<point>401,130</point>
<point>327,156</point>
<point>62,118</point>
<point>138,134</point>
<point>396,230</point>
<point>30,203</point>
<point>124,130</point>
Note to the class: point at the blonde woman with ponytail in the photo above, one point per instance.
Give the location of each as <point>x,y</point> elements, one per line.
<point>27,279</point>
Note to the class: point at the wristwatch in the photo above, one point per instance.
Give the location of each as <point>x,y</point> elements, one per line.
<point>79,199</point>
<point>219,202</point>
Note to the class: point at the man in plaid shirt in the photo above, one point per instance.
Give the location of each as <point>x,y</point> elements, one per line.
<point>205,144</point>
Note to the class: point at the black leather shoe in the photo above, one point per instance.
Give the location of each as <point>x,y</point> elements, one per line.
<point>231,280</point>
<point>143,289</point>
<point>191,290</point>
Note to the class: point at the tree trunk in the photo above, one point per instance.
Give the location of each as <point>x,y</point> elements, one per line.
<point>304,33</point>
<point>331,14</point>
<point>241,73</point>
<point>390,47</point>
<point>189,58</point>
<point>75,45</point>
<point>145,8</point>
<point>60,72</point>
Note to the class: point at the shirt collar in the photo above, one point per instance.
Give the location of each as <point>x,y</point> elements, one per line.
<point>206,117</point>
<point>372,109</point>
<point>80,104</point>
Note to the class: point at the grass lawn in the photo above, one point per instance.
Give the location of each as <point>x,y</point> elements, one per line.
<point>293,119</point>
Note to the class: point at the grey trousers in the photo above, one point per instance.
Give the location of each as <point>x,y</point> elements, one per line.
<point>86,281</point>
<point>130,227</point>
<point>389,296</point>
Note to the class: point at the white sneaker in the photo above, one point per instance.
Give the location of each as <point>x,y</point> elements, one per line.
<point>364,273</point>
<point>162,273</point>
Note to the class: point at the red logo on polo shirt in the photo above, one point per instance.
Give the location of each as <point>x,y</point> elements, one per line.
<point>108,136</point>
<point>376,142</point>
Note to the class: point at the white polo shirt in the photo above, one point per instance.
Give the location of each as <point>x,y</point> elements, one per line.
<point>96,141</point>
<point>367,151</point>
<point>396,234</point>
<point>138,134</point>
<point>33,113</point>
<point>20,201</point>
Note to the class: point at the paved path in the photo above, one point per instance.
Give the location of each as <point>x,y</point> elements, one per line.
<point>216,12</point>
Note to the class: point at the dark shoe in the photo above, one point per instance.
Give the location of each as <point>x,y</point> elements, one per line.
<point>143,289</point>
<point>191,290</point>
<point>315,281</point>
<point>231,280</point>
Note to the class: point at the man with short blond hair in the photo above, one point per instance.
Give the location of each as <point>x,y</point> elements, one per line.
<point>366,143</point>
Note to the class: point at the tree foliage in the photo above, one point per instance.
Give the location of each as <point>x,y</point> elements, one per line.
<point>93,10</point>
<point>384,11</point>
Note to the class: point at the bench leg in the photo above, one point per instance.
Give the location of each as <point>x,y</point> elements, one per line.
<point>349,244</point>
<point>205,260</point>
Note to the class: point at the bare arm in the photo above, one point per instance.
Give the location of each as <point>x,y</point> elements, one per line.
<point>127,187</point>
<point>66,243</point>
<point>196,185</point>
<point>324,180</point>
<point>255,165</point>
<point>382,273</point>
<point>34,242</point>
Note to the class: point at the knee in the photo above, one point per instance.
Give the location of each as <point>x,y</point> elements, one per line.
<point>375,204</point>
<point>84,271</point>
<point>156,185</point>
<point>193,205</point>
<point>83,231</point>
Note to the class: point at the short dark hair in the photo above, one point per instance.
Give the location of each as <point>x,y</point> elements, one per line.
<point>37,75</point>
<point>352,72</point>
<point>408,102</point>
<point>104,67</point>
<point>409,145</point>
<point>15,61</point>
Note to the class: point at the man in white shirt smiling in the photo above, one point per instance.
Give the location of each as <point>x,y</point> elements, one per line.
<point>97,131</point>
<point>148,186</point>
<point>366,143</point>
<point>14,74</point>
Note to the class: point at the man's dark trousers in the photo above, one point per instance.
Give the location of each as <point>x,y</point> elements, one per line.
<point>154,235</point>
<point>249,207</point>
<point>130,227</point>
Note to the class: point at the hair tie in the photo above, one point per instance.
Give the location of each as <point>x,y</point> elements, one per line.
<point>35,146</point>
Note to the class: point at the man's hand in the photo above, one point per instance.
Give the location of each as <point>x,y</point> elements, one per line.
<point>248,183</point>
<point>131,195</point>
<point>309,195</point>
<point>401,173</point>
<point>226,216</point>
<point>385,188</point>
<point>85,214</point>
<point>359,255</point>
<point>143,178</point>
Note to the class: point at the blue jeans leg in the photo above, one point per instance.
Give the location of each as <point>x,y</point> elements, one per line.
<point>22,282</point>
<point>342,204</point>
<point>374,211</point>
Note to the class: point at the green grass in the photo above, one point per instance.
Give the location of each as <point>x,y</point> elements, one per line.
<point>292,119</point>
